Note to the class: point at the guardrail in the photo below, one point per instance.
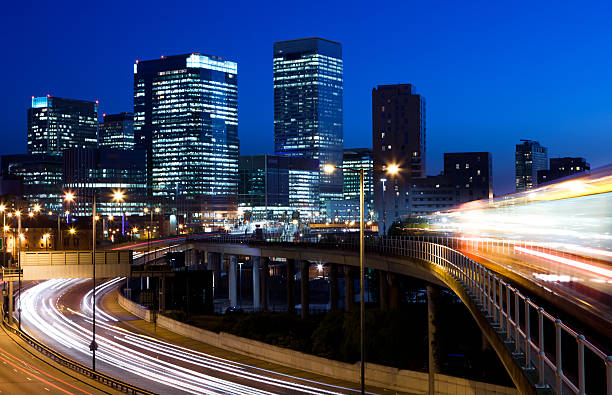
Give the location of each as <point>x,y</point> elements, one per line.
<point>10,273</point>
<point>77,367</point>
<point>519,322</point>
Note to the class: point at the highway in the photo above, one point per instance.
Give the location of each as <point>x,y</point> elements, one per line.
<point>58,313</point>
<point>24,371</point>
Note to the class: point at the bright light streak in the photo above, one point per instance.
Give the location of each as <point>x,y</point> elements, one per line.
<point>570,262</point>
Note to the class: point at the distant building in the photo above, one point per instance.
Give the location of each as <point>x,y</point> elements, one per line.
<point>530,157</point>
<point>431,194</point>
<point>398,137</point>
<point>344,210</point>
<point>358,158</point>
<point>41,176</point>
<point>101,171</point>
<point>563,167</point>
<point>55,124</point>
<point>308,105</point>
<point>186,119</point>
<point>272,186</point>
<point>117,131</point>
<point>471,173</point>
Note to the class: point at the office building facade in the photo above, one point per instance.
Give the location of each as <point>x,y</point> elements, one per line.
<point>530,157</point>
<point>55,124</point>
<point>308,117</point>
<point>398,138</point>
<point>272,186</point>
<point>355,159</point>
<point>41,177</point>
<point>102,171</point>
<point>563,167</point>
<point>186,119</point>
<point>117,131</point>
<point>471,173</point>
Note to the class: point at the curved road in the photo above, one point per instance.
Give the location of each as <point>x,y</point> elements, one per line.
<point>58,313</point>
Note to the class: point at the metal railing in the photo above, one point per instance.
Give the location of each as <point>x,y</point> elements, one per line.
<point>77,367</point>
<point>524,326</point>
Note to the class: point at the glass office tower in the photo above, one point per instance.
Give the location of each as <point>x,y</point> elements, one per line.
<point>308,105</point>
<point>356,159</point>
<point>186,119</point>
<point>117,131</point>
<point>55,124</point>
<point>529,158</point>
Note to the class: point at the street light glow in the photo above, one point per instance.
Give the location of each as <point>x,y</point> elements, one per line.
<point>329,168</point>
<point>118,195</point>
<point>37,208</point>
<point>31,214</point>
<point>146,210</point>
<point>69,197</point>
<point>157,209</point>
<point>393,169</point>
<point>2,208</point>
<point>72,231</point>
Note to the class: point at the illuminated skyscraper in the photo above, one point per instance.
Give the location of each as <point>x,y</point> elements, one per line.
<point>530,157</point>
<point>308,105</point>
<point>117,131</point>
<point>186,118</point>
<point>55,124</point>
<point>359,158</point>
<point>398,137</point>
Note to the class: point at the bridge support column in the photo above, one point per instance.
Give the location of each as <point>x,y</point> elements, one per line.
<point>265,273</point>
<point>383,297</point>
<point>11,300</point>
<point>432,295</point>
<point>305,287</point>
<point>290,278</point>
<point>231,275</point>
<point>214,264</point>
<point>349,290</point>
<point>162,294</point>
<point>394,295</point>
<point>256,283</point>
<point>333,286</point>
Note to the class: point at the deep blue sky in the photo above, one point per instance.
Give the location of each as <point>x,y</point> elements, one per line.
<point>491,72</point>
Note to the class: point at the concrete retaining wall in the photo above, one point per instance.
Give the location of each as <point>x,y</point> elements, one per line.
<point>376,375</point>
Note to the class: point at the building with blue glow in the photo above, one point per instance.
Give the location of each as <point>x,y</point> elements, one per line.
<point>55,124</point>
<point>186,119</point>
<point>530,157</point>
<point>356,159</point>
<point>41,177</point>
<point>117,131</point>
<point>308,85</point>
<point>272,186</point>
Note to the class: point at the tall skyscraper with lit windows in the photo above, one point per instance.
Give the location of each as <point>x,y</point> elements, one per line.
<point>308,105</point>
<point>186,118</point>
<point>117,131</point>
<point>529,158</point>
<point>56,124</point>
<point>398,138</point>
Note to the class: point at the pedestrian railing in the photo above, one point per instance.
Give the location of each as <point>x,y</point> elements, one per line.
<point>554,355</point>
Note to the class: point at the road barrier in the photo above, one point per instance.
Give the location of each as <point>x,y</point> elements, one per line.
<point>77,367</point>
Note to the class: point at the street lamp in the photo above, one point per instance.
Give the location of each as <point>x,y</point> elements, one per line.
<point>3,211</point>
<point>390,169</point>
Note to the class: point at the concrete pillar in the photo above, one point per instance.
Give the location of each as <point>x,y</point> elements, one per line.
<point>11,296</point>
<point>231,276</point>
<point>349,290</point>
<point>214,264</point>
<point>290,278</point>
<point>394,295</point>
<point>265,273</point>
<point>432,294</point>
<point>256,283</point>
<point>333,286</point>
<point>383,298</point>
<point>305,287</point>
<point>162,294</point>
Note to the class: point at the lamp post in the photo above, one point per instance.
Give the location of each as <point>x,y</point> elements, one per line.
<point>3,211</point>
<point>390,169</point>
<point>19,236</point>
<point>384,186</point>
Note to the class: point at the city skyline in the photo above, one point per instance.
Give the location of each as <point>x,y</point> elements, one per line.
<point>501,87</point>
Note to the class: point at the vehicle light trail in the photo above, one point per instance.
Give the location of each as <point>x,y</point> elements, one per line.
<point>571,262</point>
<point>163,363</point>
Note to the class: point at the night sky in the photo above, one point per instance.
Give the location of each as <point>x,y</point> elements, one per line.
<point>491,74</point>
